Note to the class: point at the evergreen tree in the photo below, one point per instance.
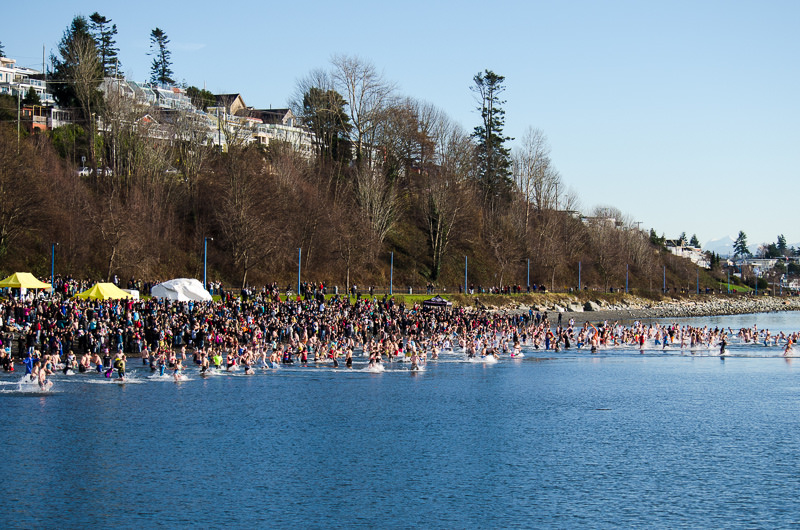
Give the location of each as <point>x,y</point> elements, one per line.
<point>160,71</point>
<point>740,245</point>
<point>324,113</point>
<point>494,158</point>
<point>104,33</point>
<point>770,251</point>
<point>782,245</point>
<point>655,239</point>
<point>2,50</point>
<point>682,238</point>
<point>8,107</point>
<point>76,71</point>
<point>695,242</point>
<point>31,98</point>
<point>201,98</point>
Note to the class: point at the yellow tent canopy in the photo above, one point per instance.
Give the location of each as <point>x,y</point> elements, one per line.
<point>103,291</point>
<point>23,279</point>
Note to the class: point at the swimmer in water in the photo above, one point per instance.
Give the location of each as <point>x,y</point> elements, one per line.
<point>178,369</point>
<point>246,361</point>
<point>273,358</point>
<point>119,364</point>
<point>43,382</point>
<point>98,362</point>
<point>217,358</point>
<point>162,364</point>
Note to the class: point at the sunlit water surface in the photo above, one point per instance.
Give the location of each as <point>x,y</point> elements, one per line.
<point>664,438</point>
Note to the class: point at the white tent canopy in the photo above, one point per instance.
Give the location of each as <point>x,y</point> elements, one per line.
<point>181,289</point>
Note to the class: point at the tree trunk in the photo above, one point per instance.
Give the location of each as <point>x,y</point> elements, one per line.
<point>244,271</point>
<point>111,262</point>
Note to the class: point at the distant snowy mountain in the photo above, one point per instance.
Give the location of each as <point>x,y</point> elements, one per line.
<point>722,246</point>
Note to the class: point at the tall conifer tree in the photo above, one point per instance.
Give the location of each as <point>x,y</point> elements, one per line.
<point>494,158</point>
<point>160,70</point>
<point>740,245</point>
<point>104,33</point>
<point>76,71</point>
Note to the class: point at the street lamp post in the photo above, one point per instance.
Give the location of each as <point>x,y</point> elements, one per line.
<point>299,263</point>
<point>52,266</point>
<point>465,275</point>
<point>205,258</point>
<point>391,274</point>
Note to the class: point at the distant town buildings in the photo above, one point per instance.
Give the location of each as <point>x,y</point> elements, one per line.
<point>695,254</point>
<point>18,80</point>
<point>230,119</point>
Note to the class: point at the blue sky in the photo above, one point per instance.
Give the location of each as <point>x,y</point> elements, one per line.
<point>684,115</point>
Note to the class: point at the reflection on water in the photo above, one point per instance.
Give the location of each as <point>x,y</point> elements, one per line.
<point>555,439</point>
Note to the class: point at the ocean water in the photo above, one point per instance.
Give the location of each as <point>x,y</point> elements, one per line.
<point>664,439</point>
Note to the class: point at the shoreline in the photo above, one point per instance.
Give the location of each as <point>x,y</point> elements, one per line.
<point>629,308</point>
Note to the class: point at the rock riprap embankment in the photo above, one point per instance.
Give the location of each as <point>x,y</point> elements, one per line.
<point>634,307</point>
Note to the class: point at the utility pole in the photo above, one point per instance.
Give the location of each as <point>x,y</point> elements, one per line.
<point>626,278</point>
<point>19,89</point>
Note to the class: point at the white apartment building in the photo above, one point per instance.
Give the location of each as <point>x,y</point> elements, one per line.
<point>16,80</point>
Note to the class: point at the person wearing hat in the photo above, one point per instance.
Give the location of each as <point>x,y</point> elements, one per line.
<point>119,364</point>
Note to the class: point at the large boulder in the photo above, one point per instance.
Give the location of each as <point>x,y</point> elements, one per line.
<point>591,306</point>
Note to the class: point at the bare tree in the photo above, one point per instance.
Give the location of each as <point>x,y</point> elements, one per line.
<point>377,199</point>
<point>86,71</point>
<point>613,216</point>
<point>368,95</point>
<point>444,184</point>
<point>606,247</point>
<point>20,196</point>
<point>245,216</point>
<point>190,136</point>
<point>349,248</point>
<point>407,136</point>
<point>111,219</point>
<point>535,178</point>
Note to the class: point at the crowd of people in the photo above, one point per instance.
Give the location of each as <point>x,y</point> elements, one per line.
<point>266,328</point>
